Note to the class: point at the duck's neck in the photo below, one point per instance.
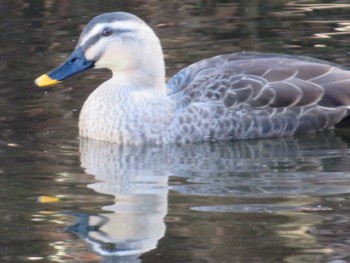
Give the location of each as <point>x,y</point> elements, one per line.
<point>131,107</point>
<point>148,70</point>
<point>147,78</point>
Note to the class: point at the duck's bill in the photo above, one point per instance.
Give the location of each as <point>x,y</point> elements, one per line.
<point>75,64</point>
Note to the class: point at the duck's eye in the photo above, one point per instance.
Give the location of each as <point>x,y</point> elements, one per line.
<point>107,32</point>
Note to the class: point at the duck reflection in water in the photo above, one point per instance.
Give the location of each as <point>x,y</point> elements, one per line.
<point>137,176</point>
<point>136,221</point>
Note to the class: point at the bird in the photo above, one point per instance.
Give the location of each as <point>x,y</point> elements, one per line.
<point>237,96</point>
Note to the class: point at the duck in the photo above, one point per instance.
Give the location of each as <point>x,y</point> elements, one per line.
<point>237,96</point>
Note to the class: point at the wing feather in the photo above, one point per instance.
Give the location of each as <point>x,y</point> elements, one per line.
<point>250,95</point>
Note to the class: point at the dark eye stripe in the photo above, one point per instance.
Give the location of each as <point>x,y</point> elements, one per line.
<point>109,31</point>
<point>92,40</point>
<point>122,31</point>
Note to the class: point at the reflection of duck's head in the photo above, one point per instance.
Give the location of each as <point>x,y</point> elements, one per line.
<point>134,224</point>
<point>95,231</point>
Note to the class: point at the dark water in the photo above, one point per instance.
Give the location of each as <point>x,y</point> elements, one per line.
<point>281,200</point>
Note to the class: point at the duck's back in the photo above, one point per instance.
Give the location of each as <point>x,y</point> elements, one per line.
<point>252,95</point>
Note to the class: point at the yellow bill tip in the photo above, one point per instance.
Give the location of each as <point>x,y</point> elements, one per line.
<point>45,80</point>
<point>48,199</point>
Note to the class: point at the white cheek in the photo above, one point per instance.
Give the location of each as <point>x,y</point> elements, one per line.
<point>114,56</point>
<point>92,52</point>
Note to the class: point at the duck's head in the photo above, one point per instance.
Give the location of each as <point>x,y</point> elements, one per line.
<point>119,41</point>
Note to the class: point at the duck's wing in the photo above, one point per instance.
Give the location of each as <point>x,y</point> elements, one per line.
<point>262,80</point>
<point>249,95</point>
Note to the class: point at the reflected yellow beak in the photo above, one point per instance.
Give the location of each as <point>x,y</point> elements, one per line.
<point>45,80</point>
<point>48,199</point>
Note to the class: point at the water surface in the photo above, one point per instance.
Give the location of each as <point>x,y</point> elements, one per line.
<point>278,200</point>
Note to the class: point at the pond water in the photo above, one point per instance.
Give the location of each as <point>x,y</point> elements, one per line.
<point>65,199</point>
